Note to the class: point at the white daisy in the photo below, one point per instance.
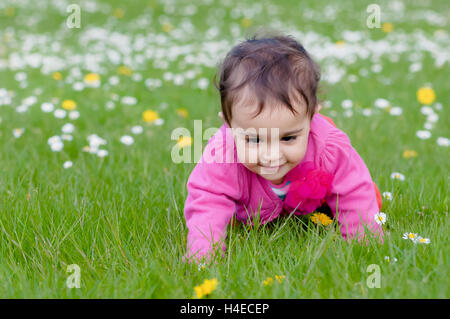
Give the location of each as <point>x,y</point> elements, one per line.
<point>382,103</point>
<point>127,140</point>
<point>158,122</point>
<point>443,141</point>
<point>54,139</point>
<point>114,80</point>
<point>128,100</point>
<point>73,115</point>
<point>60,114</point>
<point>423,135</point>
<point>388,259</point>
<point>137,129</point>
<point>367,112</point>
<point>47,107</point>
<point>78,86</point>
<point>57,146</point>
<point>203,83</point>
<point>426,110</point>
<point>387,195</point>
<point>347,104</point>
<point>17,132</point>
<point>102,153</point>
<point>68,128</point>
<point>67,164</point>
<point>380,218</point>
<point>398,176</point>
<point>421,240</point>
<point>411,236</point>
<point>396,110</point>
<point>178,79</point>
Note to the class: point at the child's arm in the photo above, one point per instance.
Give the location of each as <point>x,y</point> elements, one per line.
<point>213,190</point>
<point>353,195</point>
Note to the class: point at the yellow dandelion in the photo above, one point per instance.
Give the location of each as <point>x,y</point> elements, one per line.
<point>91,78</point>
<point>118,13</point>
<point>10,11</point>
<point>409,154</point>
<point>150,116</point>
<point>57,76</point>
<point>184,141</point>
<point>279,278</point>
<point>124,70</point>
<point>182,112</point>
<point>268,281</point>
<point>206,288</point>
<point>68,105</point>
<point>167,27</point>
<point>246,22</point>
<point>321,219</point>
<point>426,95</point>
<point>340,43</point>
<point>387,27</point>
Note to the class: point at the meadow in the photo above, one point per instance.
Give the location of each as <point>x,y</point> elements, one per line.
<point>87,178</point>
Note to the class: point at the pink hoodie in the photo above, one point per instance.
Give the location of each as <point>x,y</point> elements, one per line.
<point>218,189</point>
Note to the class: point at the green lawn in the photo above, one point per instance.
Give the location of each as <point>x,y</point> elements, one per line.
<point>120,217</point>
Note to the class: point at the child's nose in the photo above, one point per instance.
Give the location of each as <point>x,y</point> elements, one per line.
<point>270,156</point>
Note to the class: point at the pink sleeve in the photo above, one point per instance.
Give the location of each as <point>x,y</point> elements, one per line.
<point>213,189</point>
<point>352,196</point>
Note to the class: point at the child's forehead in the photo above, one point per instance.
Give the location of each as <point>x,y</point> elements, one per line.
<point>273,115</point>
<point>246,106</point>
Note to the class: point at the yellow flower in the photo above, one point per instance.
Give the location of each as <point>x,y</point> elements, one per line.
<point>426,95</point>
<point>184,141</point>
<point>57,76</point>
<point>167,27</point>
<point>124,70</point>
<point>279,278</point>
<point>91,78</point>
<point>208,286</point>
<point>409,153</point>
<point>10,11</point>
<point>69,105</point>
<point>340,43</point>
<point>150,116</point>
<point>268,281</point>
<point>412,236</point>
<point>321,219</point>
<point>387,27</point>
<point>246,22</point>
<point>182,112</point>
<point>118,13</point>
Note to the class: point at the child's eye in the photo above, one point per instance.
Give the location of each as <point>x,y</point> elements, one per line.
<point>289,138</point>
<point>253,140</point>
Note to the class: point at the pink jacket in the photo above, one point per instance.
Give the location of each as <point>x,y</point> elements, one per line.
<point>217,191</point>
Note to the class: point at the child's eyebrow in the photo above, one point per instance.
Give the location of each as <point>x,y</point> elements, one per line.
<point>293,132</point>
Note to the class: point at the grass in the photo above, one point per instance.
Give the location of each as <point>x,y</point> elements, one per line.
<point>120,218</point>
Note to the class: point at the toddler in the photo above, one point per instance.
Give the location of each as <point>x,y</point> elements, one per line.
<point>274,154</point>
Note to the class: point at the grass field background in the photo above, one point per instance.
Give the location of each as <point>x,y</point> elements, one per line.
<point>120,217</point>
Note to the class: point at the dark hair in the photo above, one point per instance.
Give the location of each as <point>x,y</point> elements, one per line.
<point>277,67</point>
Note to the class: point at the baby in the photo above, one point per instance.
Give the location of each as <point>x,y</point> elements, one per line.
<point>274,154</point>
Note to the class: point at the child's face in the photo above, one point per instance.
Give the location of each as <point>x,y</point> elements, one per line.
<point>272,143</point>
